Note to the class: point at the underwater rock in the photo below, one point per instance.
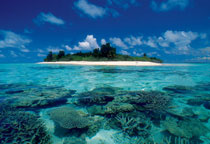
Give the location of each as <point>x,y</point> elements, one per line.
<point>206,97</point>
<point>96,110</point>
<point>203,87</point>
<point>195,101</point>
<point>185,128</point>
<point>201,113</point>
<point>99,96</point>
<point>36,95</point>
<point>68,118</point>
<point>181,112</point>
<point>207,104</point>
<point>14,91</point>
<point>18,127</point>
<point>6,86</point>
<point>179,89</point>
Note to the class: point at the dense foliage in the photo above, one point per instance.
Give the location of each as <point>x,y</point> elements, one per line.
<point>105,53</point>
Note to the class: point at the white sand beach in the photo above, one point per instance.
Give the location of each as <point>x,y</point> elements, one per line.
<point>105,63</point>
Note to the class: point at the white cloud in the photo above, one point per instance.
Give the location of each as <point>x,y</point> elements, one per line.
<point>68,47</point>
<point>153,54</point>
<point>13,40</point>
<point>90,9</point>
<point>151,42</point>
<point>205,50</point>
<point>180,39</point>
<point>13,54</point>
<point>204,58</point>
<point>49,18</point>
<point>118,42</point>
<point>2,56</point>
<point>54,49</point>
<point>171,42</point>
<point>162,42</point>
<point>40,50</point>
<point>124,52</point>
<point>25,50</point>
<point>103,41</point>
<point>41,55</point>
<point>89,43</point>
<point>134,41</point>
<point>200,59</point>
<point>137,54</point>
<point>169,4</point>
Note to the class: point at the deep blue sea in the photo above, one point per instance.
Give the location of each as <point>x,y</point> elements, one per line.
<point>64,104</point>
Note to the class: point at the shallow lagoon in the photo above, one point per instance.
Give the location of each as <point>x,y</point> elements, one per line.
<point>98,104</point>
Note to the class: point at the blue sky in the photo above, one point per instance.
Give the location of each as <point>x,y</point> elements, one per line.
<point>173,30</point>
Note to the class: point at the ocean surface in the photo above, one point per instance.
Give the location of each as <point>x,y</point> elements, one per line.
<point>64,104</point>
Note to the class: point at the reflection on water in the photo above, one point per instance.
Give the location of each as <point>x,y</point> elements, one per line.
<point>93,105</point>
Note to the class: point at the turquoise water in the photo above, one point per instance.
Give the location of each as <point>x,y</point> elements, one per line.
<point>104,105</point>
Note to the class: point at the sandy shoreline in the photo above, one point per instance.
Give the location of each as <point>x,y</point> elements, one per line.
<point>105,63</point>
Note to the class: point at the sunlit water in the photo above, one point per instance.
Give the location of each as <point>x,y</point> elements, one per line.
<point>43,89</point>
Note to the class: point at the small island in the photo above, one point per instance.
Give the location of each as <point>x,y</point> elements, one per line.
<point>103,54</point>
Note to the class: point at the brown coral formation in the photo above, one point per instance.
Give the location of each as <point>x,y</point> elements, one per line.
<point>68,118</point>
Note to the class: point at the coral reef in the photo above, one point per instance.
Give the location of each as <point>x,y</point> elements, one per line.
<point>21,127</point>
<point>35,96</point>
<point>153,101</point>
<point>146,100</point>
<point>68,118</point>
<point>134,123</point>
<point>179,89</point>
<point>96,110</point>
<point>99,96</point>
<point>110,108</point>
<point>121,138</point>
<point>185,128</point>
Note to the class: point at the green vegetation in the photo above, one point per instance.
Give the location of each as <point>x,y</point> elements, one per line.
<point>105,53</point>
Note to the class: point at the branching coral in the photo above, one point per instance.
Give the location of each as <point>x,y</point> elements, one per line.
<point>22,127</point>
<point>92,97</point>
<point>138,125</point>
<point>153,101</point>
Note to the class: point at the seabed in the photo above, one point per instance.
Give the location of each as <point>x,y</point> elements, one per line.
<point>66,104</point>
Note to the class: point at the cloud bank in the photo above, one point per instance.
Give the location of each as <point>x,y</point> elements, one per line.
<point>13,40</point>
